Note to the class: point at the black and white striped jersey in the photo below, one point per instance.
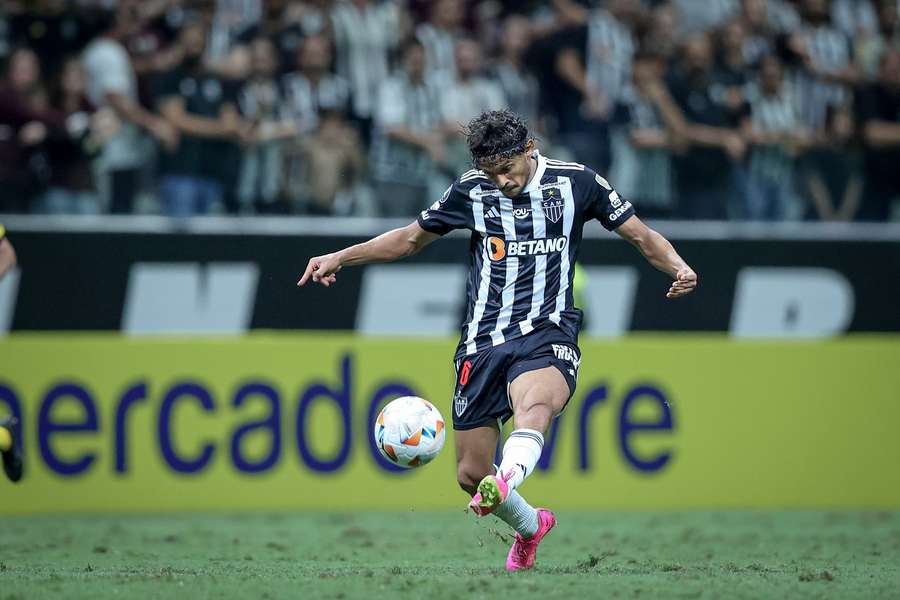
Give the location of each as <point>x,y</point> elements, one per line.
<point>523,249</point>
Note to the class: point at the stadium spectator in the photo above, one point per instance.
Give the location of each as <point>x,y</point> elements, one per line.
<point>71,186</point>
<point>333,165</point>
<point>260,184</point>
<point>782,15</point>
<point>831,179</point>
<point>112,83</point>
<point>659,34</point>
<point>855,18</point>
<point>822,57</point>
<point>518,84</point>
<point>705,167</point>
<point>758,30</point>
<point>25,123</point>
<point>313,87</point>
<point>407,141</point>
<point>201,107</point>
<point>611,46</point>
<point>365,32</point>
<point>879,119</point>
<point>51,28</point>
<point>641,142</point>
<point>775,134</point>
<point>470,95</point>
<point>732,71</point>
<point>586,60</point>
<point>566,65</point>
<point>155,26</point>
<point>701,17</point>
<point>231,20</point>
<point>870,48</point>
<point>439,36</point>
<point>292,24</point>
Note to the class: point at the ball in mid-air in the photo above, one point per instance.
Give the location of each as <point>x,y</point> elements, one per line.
<point>410,432</point>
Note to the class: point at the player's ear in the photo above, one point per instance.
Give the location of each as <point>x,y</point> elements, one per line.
<point>529,146</point>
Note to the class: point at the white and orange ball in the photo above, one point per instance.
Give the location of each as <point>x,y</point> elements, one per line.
<point>410,432</point>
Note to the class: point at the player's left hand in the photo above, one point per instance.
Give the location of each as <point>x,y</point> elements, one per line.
<point>685,283</point>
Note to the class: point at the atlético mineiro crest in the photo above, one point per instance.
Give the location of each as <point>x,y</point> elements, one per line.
<point>553,206</point>
<point>460,403</point>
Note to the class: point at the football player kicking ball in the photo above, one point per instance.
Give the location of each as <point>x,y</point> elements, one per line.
<point>9,449</point>
<point>518,355</point>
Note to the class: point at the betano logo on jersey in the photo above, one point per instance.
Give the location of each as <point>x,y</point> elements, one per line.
<point>500,248</point>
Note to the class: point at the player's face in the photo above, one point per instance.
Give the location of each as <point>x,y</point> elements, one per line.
<point>511,175</point>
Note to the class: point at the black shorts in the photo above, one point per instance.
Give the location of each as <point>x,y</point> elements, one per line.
<point>482,379</point>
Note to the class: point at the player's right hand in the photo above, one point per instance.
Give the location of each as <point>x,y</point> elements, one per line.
<point>322,269</point>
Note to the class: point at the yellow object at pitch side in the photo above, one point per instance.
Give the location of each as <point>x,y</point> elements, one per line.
<point>5,439</point>
<point>283,421</point>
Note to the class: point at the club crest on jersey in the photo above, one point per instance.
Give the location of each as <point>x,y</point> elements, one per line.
<point>553,205</point>
<point>460,403</point>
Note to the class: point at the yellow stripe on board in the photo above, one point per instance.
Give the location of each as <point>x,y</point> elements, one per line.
<point>284,422</point>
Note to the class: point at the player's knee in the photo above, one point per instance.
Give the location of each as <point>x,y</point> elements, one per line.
<point>469,476</point>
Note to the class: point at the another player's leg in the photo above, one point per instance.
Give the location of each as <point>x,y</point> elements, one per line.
<point>9,448</point>
<point>537,397</point>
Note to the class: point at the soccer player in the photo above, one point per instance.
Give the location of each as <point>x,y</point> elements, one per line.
<point>518,355</point>
<point>9,448</point>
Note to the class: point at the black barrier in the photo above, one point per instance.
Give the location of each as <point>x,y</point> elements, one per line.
<point>81,281</point>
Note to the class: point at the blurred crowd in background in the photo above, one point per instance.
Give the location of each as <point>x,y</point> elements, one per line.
<point>694,109</point>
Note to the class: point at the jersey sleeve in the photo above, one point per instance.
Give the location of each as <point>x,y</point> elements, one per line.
<point>603,203</point>
<point>451,212</point>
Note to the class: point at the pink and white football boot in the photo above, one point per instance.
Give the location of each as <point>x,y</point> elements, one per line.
<point>491,492</point>
<point>524,551</point>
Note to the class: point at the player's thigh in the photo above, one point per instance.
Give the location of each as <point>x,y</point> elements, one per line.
<point>543,376</point>
<point>545,387</point>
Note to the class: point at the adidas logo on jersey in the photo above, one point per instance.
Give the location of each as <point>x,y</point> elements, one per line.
<point>500,249</point>
<point>492,214</point>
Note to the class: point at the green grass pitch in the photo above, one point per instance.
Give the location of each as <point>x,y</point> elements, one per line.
<point>451,555</point>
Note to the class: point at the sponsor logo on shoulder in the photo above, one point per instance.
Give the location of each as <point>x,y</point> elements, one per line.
<point>614,199</point>
<point>445,196</point>
<point>620,211</point>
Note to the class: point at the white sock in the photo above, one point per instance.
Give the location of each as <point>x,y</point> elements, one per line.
<point>518,514</point>
<point>521,452</point>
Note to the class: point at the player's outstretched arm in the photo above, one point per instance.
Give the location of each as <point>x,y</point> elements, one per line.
<point>7,256</point>
<point>387,247</point>
<point>660,253</point>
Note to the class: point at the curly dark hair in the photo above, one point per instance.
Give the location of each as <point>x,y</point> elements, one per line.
<point>496,135</point>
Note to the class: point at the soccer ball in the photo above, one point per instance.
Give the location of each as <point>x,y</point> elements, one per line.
<point>409,432</point>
